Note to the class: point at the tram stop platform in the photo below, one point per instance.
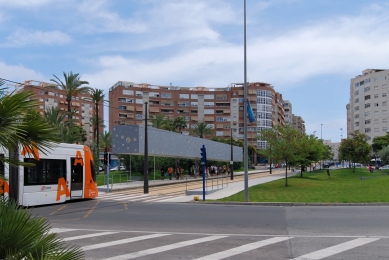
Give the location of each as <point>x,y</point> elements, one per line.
<point>218,193</point>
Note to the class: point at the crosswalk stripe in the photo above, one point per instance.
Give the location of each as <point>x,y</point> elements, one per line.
<point>89,236</point>
<point>244,248</point>
<point>60,230</point>
<point>122,241</point>
<point>329,251</point>
<point>120,196</point>
<point>136,198</point>
<point>165,248</point>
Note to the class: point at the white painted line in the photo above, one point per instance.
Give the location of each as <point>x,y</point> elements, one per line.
<point>329,251</point>
<point>241,249</point>
<point>122,241</point>
<point>89,235</point>
<point>120,196</point>
<point>165,248</point>
<point>130,198</point>
<point>60,230</point>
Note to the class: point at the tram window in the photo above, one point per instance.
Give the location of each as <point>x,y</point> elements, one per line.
<point>92,166</point>
<point>44,172</point>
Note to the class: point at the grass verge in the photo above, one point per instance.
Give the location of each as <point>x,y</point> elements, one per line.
<point>343,186</point>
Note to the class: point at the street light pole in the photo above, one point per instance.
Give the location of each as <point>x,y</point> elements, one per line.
<point>321,132</point>
<point>246,175</point>
<point>341,134</point>
<point>145,161</point>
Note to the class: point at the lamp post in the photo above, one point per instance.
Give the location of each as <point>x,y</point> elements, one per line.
<point>321,132</point>
<point>145,161</point>
<point>246,175</point>
<point>341,134</point>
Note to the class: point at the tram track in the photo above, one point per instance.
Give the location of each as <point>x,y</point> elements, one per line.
<point>177,189</point>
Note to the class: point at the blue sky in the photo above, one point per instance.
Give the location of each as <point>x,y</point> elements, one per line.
<point>308,50</point>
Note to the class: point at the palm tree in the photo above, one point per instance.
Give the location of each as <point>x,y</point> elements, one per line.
<point>72,86</point>
<point>201,129</point>
<point>26,237</point>
<point>180,123</point>
<point>106,141</point>
<point>97,97</point>
<point>169,125</point>
<point>158,121</point>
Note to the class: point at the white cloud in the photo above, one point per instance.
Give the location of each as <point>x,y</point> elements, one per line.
<point>23,37</point>
<point>18,73</point>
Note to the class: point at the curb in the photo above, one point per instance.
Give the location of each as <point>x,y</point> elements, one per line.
<point>290,204</point>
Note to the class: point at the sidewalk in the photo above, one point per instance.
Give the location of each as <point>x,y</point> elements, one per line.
<point>226,191</point>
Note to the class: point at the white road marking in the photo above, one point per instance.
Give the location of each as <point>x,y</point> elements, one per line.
<point>89,235</point>
<point>244,248</point>
<point>122,241</point>
<point>329,251</point>
<point>165,248</point>
<point>60,230</point>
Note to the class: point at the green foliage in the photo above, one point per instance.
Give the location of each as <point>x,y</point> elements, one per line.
<point>180,123</point>
<point>158,121</point>
<point>384,154</point>
<point>201,130</point>
<point>380,142</point>
<point>355,148</point>
<point>106,141</point>
<point>23,236</point>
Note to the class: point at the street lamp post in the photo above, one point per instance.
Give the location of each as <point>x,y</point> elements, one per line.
<point>246,175</point>
<point>145,161</point>
<point>321,132</point>
<point>341,134</point>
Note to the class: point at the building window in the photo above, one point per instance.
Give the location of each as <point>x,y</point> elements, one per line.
<point>375,129</point>
<point>209,111</point>
<point>367,122</point>
<point>367,97</point>
<point>356,108</point>
<point>384,103</point>
<point>139,116</point>
<point>375,79</point>
<point>367,105</point>
<point>384,111</point>
<point>367,81</point>
<point>184,96</point>
<point>367,130</point>
<point>376,104</point>
<point>384,77</point>
<point>122,108</point>
<point>367,113</point>
<point>209,96</point>
<point>356,85</point>
<point>385,120</point>
<point>367,89</point>
<point>384,129</point>
<point>383,94</point>
<point>356,93</point>
<point>384,86</point>
<point>375,87</point>
<point>356,100</point>
<point>356,116</point>
<point>41,92</point>
<point>356,124</point>
<point>376,121</point>
<point>166,95</point>
<point>375,95</point>
<point>375,113</point>
<point>128,92</point>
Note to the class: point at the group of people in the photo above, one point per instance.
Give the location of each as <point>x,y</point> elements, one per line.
<point>178,173</point>
<point>216,170</point>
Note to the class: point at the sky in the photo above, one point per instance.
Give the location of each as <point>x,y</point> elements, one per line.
<point>308,50</point>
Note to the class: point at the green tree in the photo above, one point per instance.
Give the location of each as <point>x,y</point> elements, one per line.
<point>284,141</point>
<point>169,125</point>
<point>23,236</point>
<point>72,86</point>
<point>97,98</point>
<point>180,123</point>
<point>201,129</point>
<point>355,148</point>
<point>106,141</point>
<point>158,121</point>
<point>384,154</point>
<point>380,142</point>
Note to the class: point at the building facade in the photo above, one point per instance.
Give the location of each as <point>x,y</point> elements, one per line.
<point>48,98</point>
<point>220,108</point>
<point>368,107</point>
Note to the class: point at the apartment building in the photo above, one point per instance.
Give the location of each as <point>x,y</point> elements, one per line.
<point>48,98</point>
<point>221,108</point>
<point>297,122</point>
<point>368,107</point>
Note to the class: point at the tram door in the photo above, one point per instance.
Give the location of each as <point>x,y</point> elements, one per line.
<point>77,179</point>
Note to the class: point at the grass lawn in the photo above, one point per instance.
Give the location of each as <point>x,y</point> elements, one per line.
<point>343,186</point>
<point>122,176</point>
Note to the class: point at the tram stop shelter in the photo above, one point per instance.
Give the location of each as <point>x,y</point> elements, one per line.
<point>129,139</point>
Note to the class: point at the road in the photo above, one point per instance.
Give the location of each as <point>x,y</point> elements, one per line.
<point>121,230</point>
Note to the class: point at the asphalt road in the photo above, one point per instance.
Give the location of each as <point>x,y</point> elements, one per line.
<point>115,230</point>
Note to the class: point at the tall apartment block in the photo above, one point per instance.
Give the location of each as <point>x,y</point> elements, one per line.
<point>297,122</point>
<point>367,111</point>
<point>55,98</point>
<point>221,108</point>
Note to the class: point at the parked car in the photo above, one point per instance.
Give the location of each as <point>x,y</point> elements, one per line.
<point>113,169</point>
<point>122,168</point>
<point>270,166</point>
<point>385,167</point>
